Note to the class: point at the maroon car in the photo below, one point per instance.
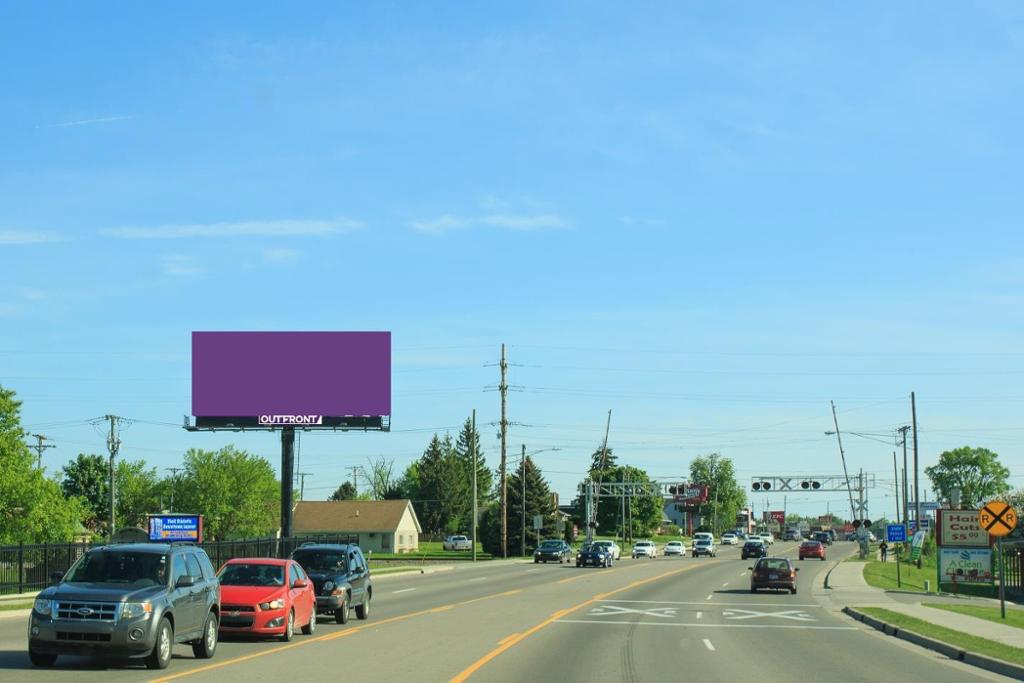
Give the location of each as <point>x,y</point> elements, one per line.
<point>812,549</point>
<point>773,572</point>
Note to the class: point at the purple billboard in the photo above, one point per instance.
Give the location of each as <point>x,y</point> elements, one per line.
<point>291,378</point>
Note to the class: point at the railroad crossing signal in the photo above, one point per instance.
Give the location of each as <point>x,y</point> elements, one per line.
<point>997,518</point>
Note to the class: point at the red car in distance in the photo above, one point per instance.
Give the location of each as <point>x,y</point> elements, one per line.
<point>266,597</point>
<point>812,549</point>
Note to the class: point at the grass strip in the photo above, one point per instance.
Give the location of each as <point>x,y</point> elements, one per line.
<point>964,641</point>
<point>1014,617</point>
<point>10,607</point>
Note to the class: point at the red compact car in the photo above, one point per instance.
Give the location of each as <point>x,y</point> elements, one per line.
<point>266,597</point>
<point>812,549</point>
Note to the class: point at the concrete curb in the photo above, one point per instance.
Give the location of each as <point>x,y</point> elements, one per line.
<point>981,661</point>
<point>828,574</point>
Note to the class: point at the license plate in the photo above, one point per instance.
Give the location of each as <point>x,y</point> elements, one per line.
<point>773,577</point>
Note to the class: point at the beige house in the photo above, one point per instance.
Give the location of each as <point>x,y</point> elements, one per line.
<point>383,526</point>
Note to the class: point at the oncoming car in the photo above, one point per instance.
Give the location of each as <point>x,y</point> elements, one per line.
<point>729,539</point>
<point>551,551</point>
<point>702,546</point>
<point>674,548</point>
<point>595,555</point>
<point>754,549</point>
<point>644,549</point>
<point>612,547</point>
<point>265,596</point>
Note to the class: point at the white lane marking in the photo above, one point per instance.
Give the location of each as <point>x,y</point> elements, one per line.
<point>743,573</point>
<point>708,645</point>
<point>610,610</point>
<point>710,596</point>
<point>700,614</point>
<point>404,590</point>
<point>705,624</point>
<point>479,578</point>
<point>725,584</point>
<point>722,604</point>
<point>533,570</point>
<point>794,614</point>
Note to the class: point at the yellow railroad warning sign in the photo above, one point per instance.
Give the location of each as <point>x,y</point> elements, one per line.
<point>997,518</point>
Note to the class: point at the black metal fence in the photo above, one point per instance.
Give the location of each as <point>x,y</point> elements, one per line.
<point>26,568</point>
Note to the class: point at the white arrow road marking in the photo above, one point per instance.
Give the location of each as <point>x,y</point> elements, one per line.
<point>708,645</point>
<point>615,610</point>
<point>794,614</point>
<point>404,590</point>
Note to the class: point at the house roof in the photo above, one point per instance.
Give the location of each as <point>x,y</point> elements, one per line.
<point>351,515</point>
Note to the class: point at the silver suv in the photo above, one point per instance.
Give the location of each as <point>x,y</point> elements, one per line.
<point>132,600</point>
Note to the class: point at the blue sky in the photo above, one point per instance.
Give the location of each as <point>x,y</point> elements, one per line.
<point>709,220</point>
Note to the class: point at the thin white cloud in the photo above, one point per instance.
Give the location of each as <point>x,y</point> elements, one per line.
<point>520,223</point>
<point>280,255</point>
<point>86,122</point>
<point>28,237</point>
<point>180,265</point>
<point>285,228</point>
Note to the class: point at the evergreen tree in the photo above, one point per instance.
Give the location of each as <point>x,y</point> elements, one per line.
<point>484,476</point>
<point>443,500</point>
<point>539,501</point>
<point>596,464</point>
<point>347,491</point>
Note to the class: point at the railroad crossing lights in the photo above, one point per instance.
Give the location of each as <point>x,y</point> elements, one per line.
<point>997,518</point>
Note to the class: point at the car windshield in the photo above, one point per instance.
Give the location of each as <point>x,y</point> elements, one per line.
<point>550,545</point>
<point>320,560</point>
<point>704,541</point>
<point>251,575</point>
<point>119,567</point>
<point>774,564</point>
<point>810,544</point>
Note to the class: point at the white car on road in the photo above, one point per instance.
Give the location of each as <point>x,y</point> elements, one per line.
<point>675,548</point>
<point>644,549</point>
<point>612,547</point>
<point>728,539</point>
<point>768,538</point>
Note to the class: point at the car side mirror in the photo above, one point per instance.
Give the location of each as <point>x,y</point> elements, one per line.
<point>750,568</point>
<point>185,581</point>
<point>55,577</point>
<point>797,568</point>
<point>300,583</point>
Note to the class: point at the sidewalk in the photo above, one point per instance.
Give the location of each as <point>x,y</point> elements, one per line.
<point>846,590</point>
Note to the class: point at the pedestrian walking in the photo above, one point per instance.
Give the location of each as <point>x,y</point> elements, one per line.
<point>884,547</point>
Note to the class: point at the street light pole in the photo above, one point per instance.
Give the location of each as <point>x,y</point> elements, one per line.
<point>522,477</point>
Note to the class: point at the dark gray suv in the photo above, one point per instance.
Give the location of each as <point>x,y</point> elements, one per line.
<point>132,600</point>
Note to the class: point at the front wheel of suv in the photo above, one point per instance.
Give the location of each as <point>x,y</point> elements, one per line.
<point>341,614</point>
<point>363,610</point>
<point>160,657</point>
<point>207,645</point>
<point>39,659</point>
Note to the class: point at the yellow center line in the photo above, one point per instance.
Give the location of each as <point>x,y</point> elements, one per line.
<point>330,636</point>
<point>573,578</point>
<point>517,638</point>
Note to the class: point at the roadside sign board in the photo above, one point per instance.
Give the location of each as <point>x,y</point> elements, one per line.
<point>538,522</point>
<point>896,533</point>
<point>997,518</point>
<point>926,524</point>
<point>778,515</point>
<point>965,565</point>
<point>168,528</point>
<point>961,528</point>
<point>926,505</point>
<point>916,545</point>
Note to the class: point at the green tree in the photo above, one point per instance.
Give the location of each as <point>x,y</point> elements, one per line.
<point>32,508</point>
<point>725,495</point>
<point>643,512</point>
<point>347,491</point>
<point>235,491</point>
<point>539,501</point>
<point>596,465</point>
<point>443,506</point>
<point>977,472</point>
<point>408,485</point>
<point>138,490</point>
<point>466,443</point>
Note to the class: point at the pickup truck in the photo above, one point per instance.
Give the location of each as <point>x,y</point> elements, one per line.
<point>457,543</point>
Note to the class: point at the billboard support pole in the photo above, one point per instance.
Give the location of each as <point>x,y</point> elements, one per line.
<point>287,468</point>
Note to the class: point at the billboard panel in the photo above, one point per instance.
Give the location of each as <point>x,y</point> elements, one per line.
<point>167,528</point>
<point>295,378</point>
<point>965,565</point>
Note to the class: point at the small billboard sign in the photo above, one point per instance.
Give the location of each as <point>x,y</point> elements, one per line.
<point>168,528</point>
<point>965,565</point>
<point>896,533</point>
<point>961,528</point>
<point>779,516</point>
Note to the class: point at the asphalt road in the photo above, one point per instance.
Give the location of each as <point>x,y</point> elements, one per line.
<point>666,618</point>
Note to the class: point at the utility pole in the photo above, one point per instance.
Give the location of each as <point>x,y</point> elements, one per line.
<point>113,446</point>
<point>40,447</point>
<point>522,477</point>
<point>592,520</point>
<point>903,433</point>
<point>302,485</point>
<point>503,389</point>
<point>355,476</point>
<point>842,456</point>
<point>896,473</point>
<point>472,448</point>
<point>917,491</point>
<point>174,476</point>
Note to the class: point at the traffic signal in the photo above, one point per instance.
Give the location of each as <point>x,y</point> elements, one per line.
<point>856,524</point>
<point>808,484</point>
<point>867,523</point>
<point>761,485</point>
<point>673,490</point>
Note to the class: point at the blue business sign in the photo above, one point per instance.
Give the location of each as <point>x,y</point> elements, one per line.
<point>168,528</point>
<point>896,533</point>
<point>926,524</point>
